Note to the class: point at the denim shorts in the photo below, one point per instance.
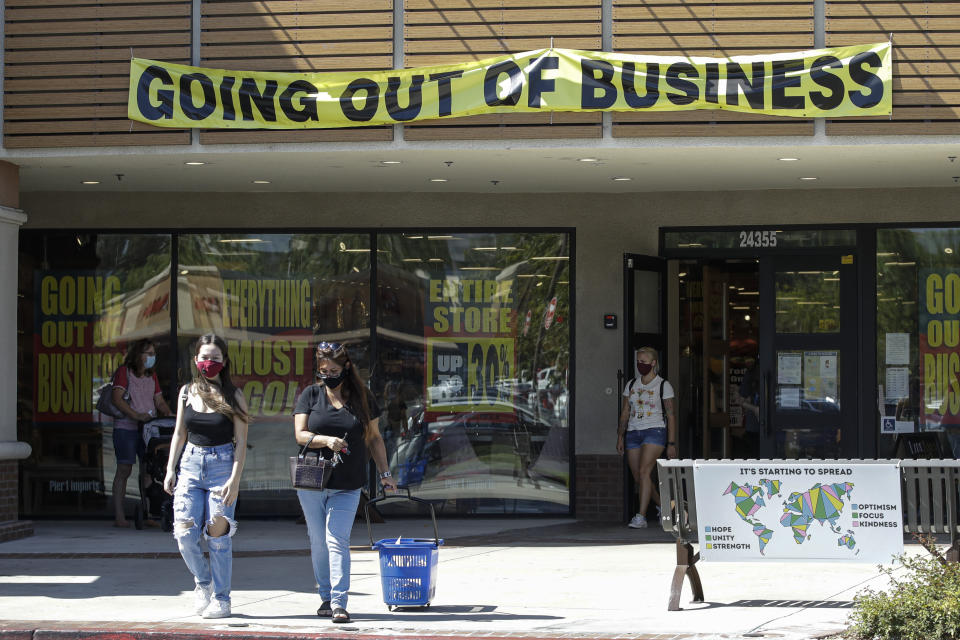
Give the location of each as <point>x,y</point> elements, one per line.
<point>639,437</point>
<point>128,445</point>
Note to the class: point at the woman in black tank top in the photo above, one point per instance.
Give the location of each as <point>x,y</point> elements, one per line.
<point>211,432</point>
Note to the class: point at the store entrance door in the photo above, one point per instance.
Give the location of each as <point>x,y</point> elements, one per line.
<point>806,375</point>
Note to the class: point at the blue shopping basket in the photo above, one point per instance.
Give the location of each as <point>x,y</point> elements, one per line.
<point>408,566</point>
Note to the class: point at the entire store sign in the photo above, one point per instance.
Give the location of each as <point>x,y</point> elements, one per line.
<point>939,345</point>
<point>779,510</point>
<point>828,83</point>
<point>470,344</point>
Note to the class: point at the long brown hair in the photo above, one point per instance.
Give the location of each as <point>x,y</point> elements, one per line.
<point>221,397</point>
<point>134,351</point>
<point>354,392</point>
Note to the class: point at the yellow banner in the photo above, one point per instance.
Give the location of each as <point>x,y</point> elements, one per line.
<point>825,83</point>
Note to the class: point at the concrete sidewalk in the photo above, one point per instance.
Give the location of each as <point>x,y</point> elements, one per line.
<point>497,578</point>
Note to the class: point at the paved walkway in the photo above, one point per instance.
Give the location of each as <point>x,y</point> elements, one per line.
<point>531,578</point>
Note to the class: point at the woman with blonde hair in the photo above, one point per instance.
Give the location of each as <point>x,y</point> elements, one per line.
<point>339,416</point>
<point>647,426</point>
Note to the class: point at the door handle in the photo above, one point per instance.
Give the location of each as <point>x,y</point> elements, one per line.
<point>765,405</point>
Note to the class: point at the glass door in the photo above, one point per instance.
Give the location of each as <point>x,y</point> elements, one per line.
<point>808,367</point>
<point>644,322</point>
<point>645,308</point>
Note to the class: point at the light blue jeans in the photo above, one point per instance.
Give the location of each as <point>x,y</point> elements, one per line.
<point>202,471</point>
<point>329,514</point>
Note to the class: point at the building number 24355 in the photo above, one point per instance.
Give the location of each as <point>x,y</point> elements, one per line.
<point>758,239</point>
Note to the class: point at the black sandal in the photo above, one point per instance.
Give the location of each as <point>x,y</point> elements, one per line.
<point>325,611</point>
<point>340,615</point>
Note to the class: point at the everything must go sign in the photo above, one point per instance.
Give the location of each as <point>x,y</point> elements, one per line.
<point>748,510</point>
<point>853,81</point>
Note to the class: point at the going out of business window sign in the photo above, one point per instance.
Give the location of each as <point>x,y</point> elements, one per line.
<point>854,81</point>
<point>785,510</point>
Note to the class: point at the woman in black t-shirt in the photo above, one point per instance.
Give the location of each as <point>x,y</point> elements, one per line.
<point>338,416</point>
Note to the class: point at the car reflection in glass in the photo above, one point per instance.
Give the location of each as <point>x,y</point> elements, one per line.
<point>481,452</point>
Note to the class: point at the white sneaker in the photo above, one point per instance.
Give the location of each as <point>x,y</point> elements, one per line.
<point>201,598</point>
<point>637,522</point>
<point>217,609</point>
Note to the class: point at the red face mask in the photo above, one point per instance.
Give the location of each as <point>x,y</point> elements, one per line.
<point>644,368</point>
<point>209,368</point>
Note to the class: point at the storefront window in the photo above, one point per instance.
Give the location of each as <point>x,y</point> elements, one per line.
<point>83,299</point>
<point>918,351</point>
<point>466,347</point>
<point>474,348</point>
<point>273,297</point>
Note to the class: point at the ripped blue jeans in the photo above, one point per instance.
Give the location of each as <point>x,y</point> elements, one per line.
<point>195,505</point>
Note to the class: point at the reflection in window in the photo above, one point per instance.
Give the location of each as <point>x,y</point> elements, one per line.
<point>472,369</point>
<point>83,298</point>
<point>273,297</point>
<point>474,347</point>
<point>807,301</point>
<point>918,302</point>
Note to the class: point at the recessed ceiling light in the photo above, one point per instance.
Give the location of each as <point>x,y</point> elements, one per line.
<point>389,162</point>
<point>91,182</point>
<point>194,163</point>
<point>261,182</point>
<point>621,179</point>
<point>588,159</point>
<point>788,159</point>
<point>438,179</point>
<point>809,178</point>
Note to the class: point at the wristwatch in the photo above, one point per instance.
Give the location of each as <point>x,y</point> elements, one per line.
<point>385,474</point>
<point>671,444</point>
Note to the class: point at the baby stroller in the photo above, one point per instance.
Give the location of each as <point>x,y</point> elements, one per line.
<point>155,503</point>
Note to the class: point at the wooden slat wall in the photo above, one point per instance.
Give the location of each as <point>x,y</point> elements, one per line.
<point>714,28</point>
<point>67,64</point>
<point>452,31</point>
<point>297,35</point>
<point>926,68</point>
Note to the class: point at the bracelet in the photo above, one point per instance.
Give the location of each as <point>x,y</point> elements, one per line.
<point>671,444</point>
<point>385,474</point>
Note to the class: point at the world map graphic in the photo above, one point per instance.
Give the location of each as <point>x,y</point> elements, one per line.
<point>822,504</point>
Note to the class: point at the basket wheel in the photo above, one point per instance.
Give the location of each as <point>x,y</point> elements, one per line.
<point>389,607</point>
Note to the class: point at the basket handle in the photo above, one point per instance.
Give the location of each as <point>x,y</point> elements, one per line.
<point>384,497</point>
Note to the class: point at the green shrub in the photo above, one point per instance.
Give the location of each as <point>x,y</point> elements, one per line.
<point>921,604</point>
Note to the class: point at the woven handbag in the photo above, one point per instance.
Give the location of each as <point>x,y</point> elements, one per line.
<point>311,472</point>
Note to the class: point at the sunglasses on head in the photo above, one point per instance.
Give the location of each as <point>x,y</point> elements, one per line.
<point>332,347</point>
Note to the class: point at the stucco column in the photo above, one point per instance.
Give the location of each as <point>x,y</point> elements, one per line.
<point>11,450</point>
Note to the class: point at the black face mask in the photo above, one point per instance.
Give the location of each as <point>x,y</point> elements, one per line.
<point>334,381</point>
